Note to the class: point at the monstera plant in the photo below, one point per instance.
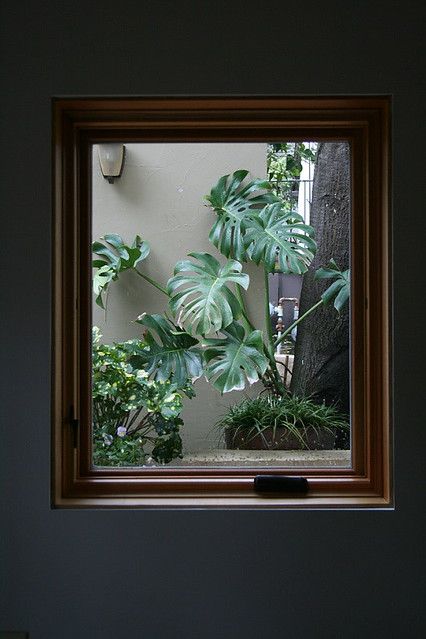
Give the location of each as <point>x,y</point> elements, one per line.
<point>210,331</point>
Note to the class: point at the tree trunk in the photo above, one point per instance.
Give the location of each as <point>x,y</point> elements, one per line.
<point>321,363</point>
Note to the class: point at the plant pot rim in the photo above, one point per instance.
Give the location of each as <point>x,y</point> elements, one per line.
<point>281,439</point>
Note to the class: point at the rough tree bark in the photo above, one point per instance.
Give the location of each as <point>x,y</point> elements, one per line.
<point>321,363</point>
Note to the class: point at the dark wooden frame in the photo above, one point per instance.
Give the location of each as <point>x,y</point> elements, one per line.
<point>79,123</point>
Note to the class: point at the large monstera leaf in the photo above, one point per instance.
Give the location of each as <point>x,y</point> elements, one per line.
<point>200,295</point>
<point>280,238</point>
<point>235,359</point>
<point>114,258</point>
<point>169,351</point>
<point>340,289</point>
<point>234,204</point>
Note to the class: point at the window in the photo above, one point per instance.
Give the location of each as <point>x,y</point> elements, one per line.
<point>282,125</point>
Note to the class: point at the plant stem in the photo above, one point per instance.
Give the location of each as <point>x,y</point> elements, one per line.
<point>153,282</point>
<point>290,328</point>
<point>243,305</point>
<point>269,347</point>
<point>144,423</point>
<point>271,376</point>
<point>134,418</point>
<point>268,326</point>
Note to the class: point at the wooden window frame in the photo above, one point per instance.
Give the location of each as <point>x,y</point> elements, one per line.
<point>80,123</point>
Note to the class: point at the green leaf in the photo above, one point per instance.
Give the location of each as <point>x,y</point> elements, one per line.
<point>130,255</point>
<point>327,273</point>
<point>174,352</point>
<point>101,279</point>
<point>339,291</point>
<point>117,242</point>
<point>116,258</point>
<point>100,249</point>
<point>235,359</point>
<point>342,297</point>
<point>201,295</point>
<point>167,448</point>
<point>234,204</point>
<point>280,236</point>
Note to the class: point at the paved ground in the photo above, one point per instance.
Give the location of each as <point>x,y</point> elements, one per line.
<point>289,459</point>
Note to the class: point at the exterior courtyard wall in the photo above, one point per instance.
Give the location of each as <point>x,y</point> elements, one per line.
<point>160,197</point>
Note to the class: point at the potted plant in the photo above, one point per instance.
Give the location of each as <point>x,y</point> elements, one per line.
<point>276,423</point>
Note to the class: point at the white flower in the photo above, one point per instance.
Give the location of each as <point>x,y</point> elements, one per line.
<point>121,431</point>
<point>107,439</point>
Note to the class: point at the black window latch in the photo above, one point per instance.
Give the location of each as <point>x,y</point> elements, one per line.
<point>280,484</point>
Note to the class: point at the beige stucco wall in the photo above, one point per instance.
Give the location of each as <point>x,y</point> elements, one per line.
<point>160,197</point>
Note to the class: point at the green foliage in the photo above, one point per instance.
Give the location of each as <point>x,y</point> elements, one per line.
<point>234,359</point>
<point>116,451</point>
<point>284,160</point>
<point>339,290</point>
<point>234,204</point>
<point>267,234</point>
<point>295,414</point>
<point>114,258</point>
<point>116,387</point>
<point>276,236</point>
<point>284,165</point>
<point>206,297</point>
<point>173,354</point>
<point>168,445</point>
<point>128,408</point>
<point>200,295</point>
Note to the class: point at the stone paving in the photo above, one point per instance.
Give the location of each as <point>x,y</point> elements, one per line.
<point>262,458</point>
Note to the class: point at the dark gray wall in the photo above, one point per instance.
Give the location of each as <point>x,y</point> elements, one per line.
<point>99,574</point>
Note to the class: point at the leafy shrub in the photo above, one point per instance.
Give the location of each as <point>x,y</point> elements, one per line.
<point>133,417</point>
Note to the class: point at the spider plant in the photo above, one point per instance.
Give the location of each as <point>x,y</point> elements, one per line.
<point>271,419</point>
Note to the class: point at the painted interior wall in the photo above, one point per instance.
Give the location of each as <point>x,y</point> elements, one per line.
<point>196,574</point>
<point>160,197</point>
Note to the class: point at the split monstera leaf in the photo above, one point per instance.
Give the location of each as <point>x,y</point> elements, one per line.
<point>236,205</point>
<point>113,258</point>
<point>339,291</point>
<point>246,230</point>
<point>200,294</point>
<point>170,351</point>
<point>236,358</point>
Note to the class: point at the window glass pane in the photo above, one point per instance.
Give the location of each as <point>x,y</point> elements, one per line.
<point>278,390</point>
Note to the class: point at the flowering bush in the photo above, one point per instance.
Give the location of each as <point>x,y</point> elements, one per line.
<point>133,417</point>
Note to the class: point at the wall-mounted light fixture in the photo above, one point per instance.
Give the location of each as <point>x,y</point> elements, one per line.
<point>111,159</point>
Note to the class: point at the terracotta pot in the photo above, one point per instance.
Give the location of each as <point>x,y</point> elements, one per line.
<point>243,439</point>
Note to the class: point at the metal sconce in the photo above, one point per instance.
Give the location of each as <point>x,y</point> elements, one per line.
<point>111,159</point>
